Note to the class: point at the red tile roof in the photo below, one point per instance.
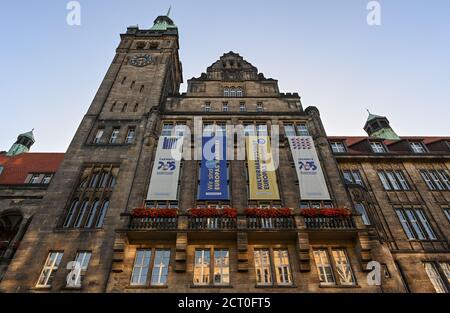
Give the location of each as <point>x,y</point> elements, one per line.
<point>17,168</point>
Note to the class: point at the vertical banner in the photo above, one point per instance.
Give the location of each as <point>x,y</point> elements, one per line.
<point>312,183</point>
<point>213,173</point>
<point>166,169</point>
<point>261,169</point>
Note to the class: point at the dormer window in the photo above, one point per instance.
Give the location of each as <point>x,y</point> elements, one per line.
<point>377,147</point>
<point>338,147</point>
<point>417,147</point>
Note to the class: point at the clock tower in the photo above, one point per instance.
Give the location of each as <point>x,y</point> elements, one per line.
<point>106,168</point>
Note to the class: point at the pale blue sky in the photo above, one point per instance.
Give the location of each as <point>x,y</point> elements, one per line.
<point>322,49</point>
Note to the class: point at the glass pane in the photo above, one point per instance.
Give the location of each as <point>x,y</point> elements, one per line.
<point>161,267</point>
<point>262,267</point>
<point>202,267</point>
<point>282,268</point>
<point>435,278</point>
<point>344,271</point>
<point>221,267</point>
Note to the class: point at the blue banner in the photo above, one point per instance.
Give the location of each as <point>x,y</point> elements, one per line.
<point>213,178</point>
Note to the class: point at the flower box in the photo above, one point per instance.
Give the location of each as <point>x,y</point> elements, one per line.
<point>332,212</point>
<point>211,212</point>
<point>155,213</point>
<point>269,213</point>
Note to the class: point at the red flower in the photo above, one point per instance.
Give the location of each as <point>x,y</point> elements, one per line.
<point>154,213</point>
<point>313,212</point>
<point>268,213</point>
<point>211,212</point>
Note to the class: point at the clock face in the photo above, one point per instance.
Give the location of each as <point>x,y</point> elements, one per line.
<point>141,60</point>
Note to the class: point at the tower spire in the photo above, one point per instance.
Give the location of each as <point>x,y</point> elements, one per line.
<point>168,12</point>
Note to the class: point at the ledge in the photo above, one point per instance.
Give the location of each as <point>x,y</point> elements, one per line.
<point>146,287</point>
<point>340,286</point>
<point>276,286</point>
<point>211,287</point>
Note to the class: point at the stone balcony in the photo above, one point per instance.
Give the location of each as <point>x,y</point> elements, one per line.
<point>327,223</point>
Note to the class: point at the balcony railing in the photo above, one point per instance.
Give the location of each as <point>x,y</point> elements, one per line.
<point>212,223</point>
<point>329,222</point>
<point>153,223</point>
<point>270,223</point>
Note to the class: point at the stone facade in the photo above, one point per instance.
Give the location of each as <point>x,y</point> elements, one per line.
<point>138,96</point>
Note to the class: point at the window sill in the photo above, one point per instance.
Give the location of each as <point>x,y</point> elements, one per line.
<point>339,286</point>
<point>275,286</point>
<point>41,288</point>
<point>146,287</point>
<point>211,286</point>
<point>73,230</point>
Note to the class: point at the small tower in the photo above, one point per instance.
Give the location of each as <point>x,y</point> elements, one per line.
<point>164,23</point>
<point>378,127</point>
<point>23,144</point>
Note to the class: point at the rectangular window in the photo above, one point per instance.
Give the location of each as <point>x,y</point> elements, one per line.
<point>289,130</point>
<point>221,267</point>
<point>50,267</point>
<point>208,107</point>
<point>343,268</point>
<point>242,107</point>
<point>447,213</point>
<point>282,267</point>
<point>160,268</point>
<point>426,177</point>
<point>444,178</point>
<point>249,129</point>
<point>181,129</point>
<point>393,180</point>
<point>202,267</point>
<point>435,278</point>
<point>402,180</point>
<point>82,259</point>
<point>47,179</point>
<point>426,225</point>
<point>338,147</point>
<point>167,129</point>
<point>436,180</point>
<point>362,210</point>
<point>262,130</point>
<point>98,136</point>
<point>405,225</point>
<point>225,107</point>
<point>114,136</point>
<point>445,266</point>
<point>415,224</point>
<point>417,147</point>
<point>348,177</point>
<point>263,267</point>
<point>140,268</point>
<point>302,130</point>
<point>378,147</point>
<point>259,107</point>
<point>35,179</point>
<point>324,268</point>
<point>384,180</point>
<point>130,136</point>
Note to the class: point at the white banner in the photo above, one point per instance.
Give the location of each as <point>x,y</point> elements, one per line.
<point>166,170</point>
<point>312,183</point>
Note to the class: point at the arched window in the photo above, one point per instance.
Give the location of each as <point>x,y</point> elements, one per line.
<point>226,92</point>
<point>233,92</point>
<point>94,180</point>
<point>92,213</point>
<point>82,213</point>
<point>102,214</point>
<point>239,93</point>
<point>71,213</point>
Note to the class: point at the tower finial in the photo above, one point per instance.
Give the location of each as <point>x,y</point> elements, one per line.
<point>168,12</point>
<point>368,111</point>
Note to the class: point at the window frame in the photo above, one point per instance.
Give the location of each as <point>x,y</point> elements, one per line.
<point>336,145</point>
<point>150,266</point>
<point>53,268</point>
<point>333,266</point>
